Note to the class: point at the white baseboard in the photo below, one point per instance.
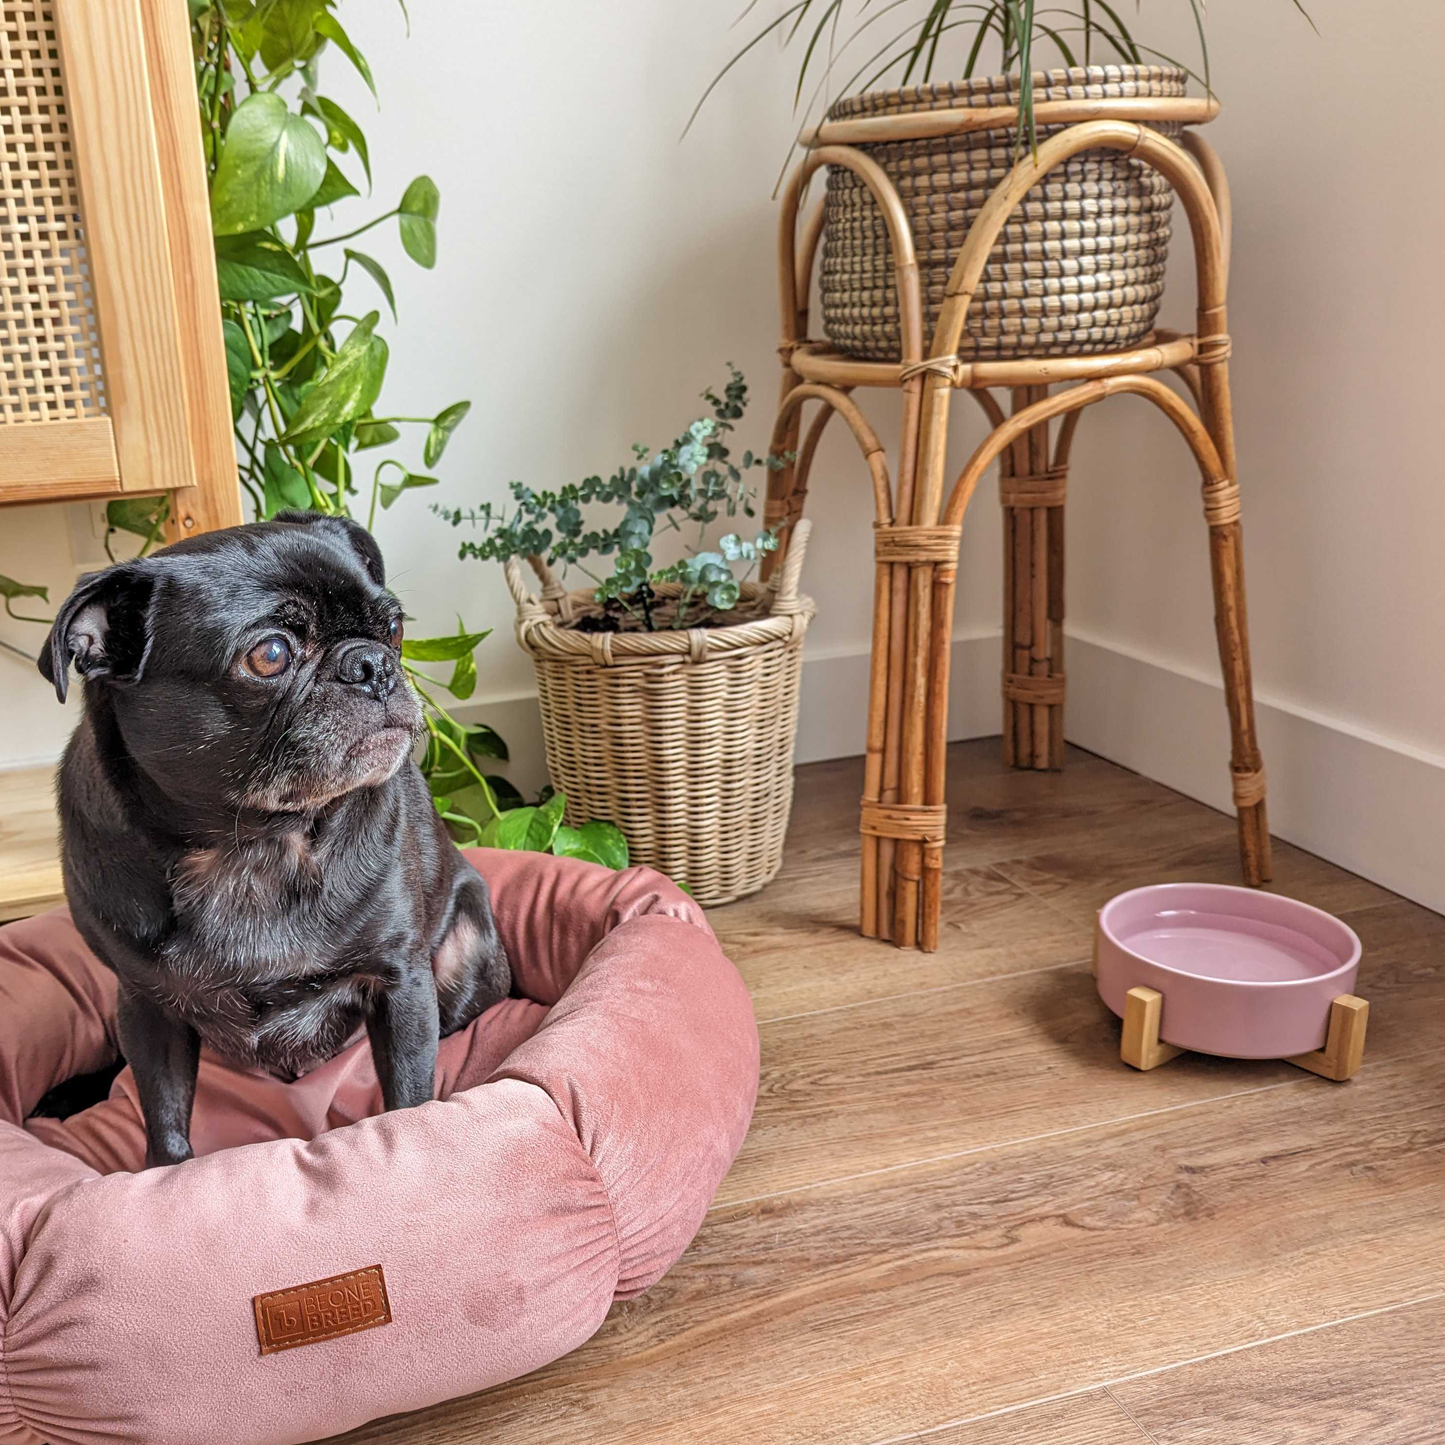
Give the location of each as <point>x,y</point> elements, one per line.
<point>1369,803</point>
<point>1366,802</point>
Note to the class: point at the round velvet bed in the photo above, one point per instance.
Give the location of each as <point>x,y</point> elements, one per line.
<point>320,1262</point>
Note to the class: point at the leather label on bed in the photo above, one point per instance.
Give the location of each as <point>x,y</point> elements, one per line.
<point>322,1310</point>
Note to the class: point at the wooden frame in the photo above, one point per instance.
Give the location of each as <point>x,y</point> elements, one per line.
<point>918,522</point>
<point>129,112</point>
<point>1141,1047</point>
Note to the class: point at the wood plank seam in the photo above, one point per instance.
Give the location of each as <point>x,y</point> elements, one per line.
<point>1109,1384</point>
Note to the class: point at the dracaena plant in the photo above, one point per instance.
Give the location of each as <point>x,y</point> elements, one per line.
<point>691,484</point>
<point>848,49</point>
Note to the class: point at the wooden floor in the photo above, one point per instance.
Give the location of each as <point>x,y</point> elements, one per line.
<point>959,1217</point>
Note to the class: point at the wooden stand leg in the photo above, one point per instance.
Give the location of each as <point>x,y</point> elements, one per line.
<point>1140,1047</point>
<point>1344,1043</point>
<point>778,503</point>
<point>1033,540</point>
<point>1226,559</point>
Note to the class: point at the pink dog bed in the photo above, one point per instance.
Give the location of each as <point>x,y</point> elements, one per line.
<point>578,1138</point>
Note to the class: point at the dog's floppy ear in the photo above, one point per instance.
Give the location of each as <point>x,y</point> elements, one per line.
<point>104,628</point>
<point>353,533</point>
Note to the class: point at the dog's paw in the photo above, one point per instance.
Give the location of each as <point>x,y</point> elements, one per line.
<point>174,1151</point>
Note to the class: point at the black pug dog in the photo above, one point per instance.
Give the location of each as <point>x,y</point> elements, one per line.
<point>247,841</point>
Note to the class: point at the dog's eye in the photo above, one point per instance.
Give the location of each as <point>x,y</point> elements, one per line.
<point>270,658</point>
<point>395,631</point>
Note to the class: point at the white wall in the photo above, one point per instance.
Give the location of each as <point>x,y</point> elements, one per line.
<point>1332,145</point>
<point>595,273</point>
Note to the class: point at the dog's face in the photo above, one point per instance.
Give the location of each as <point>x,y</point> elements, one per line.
<point>257,667</point>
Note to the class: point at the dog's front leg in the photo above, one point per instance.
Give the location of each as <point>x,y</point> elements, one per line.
<point>404,1029</point>
<point>163,1053</point>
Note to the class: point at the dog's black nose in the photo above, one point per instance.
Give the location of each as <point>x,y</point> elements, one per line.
<point>369,666</point>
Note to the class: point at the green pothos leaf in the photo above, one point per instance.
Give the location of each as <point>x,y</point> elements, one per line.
<point>238,365</point>
<point>417,218</point>
<point>464,677</point>
<point>347,389</point>
<point>272,163</point>
<point>377,272</point>
<point>284,487</point>
<point>9,587</point>
<point>442,649</point>
<point>334,187</point>
<point>440,432</point>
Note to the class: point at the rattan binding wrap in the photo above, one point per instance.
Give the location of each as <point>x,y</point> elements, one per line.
<point>684,739</point>
<point>1078,268</point>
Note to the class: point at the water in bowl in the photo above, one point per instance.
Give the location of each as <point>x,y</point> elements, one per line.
<point>1221,945</point>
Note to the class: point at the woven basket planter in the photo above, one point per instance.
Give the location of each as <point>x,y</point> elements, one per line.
<point>1078,268</point>
<point>684,739</point>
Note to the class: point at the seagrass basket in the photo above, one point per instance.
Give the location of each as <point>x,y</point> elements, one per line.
<point>684,739</point>
<point>1078,268</point>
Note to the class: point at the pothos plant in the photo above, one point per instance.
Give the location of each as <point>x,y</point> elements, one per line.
<point>307,366</point>
<point>693,482</point>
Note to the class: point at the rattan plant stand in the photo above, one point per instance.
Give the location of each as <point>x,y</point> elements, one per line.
<point>918,519</point>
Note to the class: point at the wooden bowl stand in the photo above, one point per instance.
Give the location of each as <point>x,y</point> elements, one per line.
<point>1142,1048</point>
<point>917,526</point>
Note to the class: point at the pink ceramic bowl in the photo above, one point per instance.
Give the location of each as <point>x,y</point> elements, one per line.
<point>1245,974</point>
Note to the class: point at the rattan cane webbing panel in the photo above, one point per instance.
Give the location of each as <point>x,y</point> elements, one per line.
<point>49,350</point>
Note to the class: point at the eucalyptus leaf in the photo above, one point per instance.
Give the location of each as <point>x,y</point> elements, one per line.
<point>346,390</point>
<point>377,272</point>
<point>442,649</point>
<point>420,203</point>
<point>272,163</point>
<point>441,429</point>
<point>257,267</point>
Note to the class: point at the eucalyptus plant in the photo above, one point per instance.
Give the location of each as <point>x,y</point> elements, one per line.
<point>845,54</point>
<point>692,482</point>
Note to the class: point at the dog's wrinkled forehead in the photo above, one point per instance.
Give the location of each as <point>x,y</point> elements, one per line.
<point>310,579</point>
